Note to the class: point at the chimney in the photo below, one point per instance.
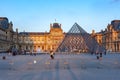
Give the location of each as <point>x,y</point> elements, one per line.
<point>17,30</point>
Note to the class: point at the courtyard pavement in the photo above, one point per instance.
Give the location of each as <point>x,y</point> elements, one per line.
<point>63,67</point>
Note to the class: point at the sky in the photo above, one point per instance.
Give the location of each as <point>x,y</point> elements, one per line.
<point>36,15</point>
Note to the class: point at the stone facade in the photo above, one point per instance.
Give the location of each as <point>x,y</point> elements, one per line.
<point>110,37</point>
<point>29,41</point>
<point>6,34</point>
<point>47,41</point>
<point>41,41</point>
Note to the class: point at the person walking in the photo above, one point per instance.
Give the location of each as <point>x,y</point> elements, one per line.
<point>51,54</point>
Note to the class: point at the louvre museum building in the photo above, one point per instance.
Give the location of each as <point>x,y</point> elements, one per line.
<point>76,39</point>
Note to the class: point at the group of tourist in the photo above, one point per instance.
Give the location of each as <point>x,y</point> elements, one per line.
<point>15,52</point>
<point>99,54</point>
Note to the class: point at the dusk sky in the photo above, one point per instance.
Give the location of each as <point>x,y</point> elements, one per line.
<point>36,15</point>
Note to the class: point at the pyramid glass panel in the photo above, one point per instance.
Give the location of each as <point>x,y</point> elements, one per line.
<point>76,29</point>
<point>78,40</point>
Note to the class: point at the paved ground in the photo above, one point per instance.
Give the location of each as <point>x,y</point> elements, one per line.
<point>63,67</point>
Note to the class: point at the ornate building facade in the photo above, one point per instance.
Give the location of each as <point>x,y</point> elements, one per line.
<point>41,41</point>
<point>29,41</point>
<point>47,41</point>
<point>110,37</point>
<point>6,34</point>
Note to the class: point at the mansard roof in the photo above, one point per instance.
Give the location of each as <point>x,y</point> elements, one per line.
<point>2,18</point>
<point>116,24</point>
<point>4,23</point>
<point>33,33</point>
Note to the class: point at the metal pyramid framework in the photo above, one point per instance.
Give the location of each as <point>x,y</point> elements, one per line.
<point>78,40</point>
<point>76,29</point>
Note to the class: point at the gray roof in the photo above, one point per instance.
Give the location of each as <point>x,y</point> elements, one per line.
<point>116,24</point>
<point>56,25</point>
<point>4,24</point>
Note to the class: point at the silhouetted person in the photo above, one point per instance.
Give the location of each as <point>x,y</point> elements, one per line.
<point>105,52</point>
<point>91,53</point>
<point>3,57</point>
<point>100,54</point>
<point>97,57</point>
<point>14,51</point>
<point>51,54</point>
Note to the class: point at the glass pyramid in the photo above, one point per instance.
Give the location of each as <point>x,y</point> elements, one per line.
<point>78,40</point>
<point>76,29</point>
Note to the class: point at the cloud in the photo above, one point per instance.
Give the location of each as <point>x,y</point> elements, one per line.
<point>116,0</point>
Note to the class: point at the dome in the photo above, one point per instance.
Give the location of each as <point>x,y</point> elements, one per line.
<point>56,25</point>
